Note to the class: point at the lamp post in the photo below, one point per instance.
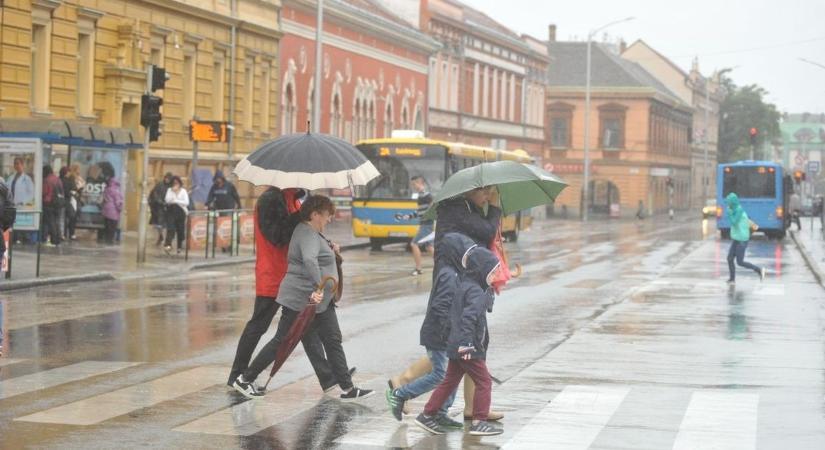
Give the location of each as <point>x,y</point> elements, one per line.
<point>585,188</point>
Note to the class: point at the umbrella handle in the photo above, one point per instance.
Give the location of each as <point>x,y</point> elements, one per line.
<point>517,272</point>
<point>324,281</point>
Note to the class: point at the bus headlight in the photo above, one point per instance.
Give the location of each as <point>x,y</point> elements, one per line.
<point>718,212</point>
<point>780,212</point>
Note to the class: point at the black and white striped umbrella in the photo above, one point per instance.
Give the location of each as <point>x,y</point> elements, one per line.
<point>306,160</point>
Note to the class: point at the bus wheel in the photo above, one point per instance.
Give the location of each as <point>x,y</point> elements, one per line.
<point>725,233</point>
<point>376,244</point>
<point>779,235</point>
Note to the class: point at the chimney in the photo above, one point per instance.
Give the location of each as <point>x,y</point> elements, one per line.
<point>551,33</point>
<point>622,46</point>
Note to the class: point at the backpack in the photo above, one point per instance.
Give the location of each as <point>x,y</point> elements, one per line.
<point>8,212</point>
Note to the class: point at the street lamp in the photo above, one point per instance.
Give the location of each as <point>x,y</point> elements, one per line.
<point>587,115</point>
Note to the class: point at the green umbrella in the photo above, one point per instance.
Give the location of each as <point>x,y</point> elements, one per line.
<point>520,186</point>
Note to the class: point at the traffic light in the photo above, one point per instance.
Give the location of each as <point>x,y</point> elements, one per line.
<point>753,133</point>
<point>159,78</point>
<point>799,176</point>
<point>150,115</point>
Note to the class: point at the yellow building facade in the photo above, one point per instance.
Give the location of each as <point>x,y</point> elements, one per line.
<point>84,62</point>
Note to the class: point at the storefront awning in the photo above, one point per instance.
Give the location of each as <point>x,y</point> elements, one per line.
<point>69,132</point>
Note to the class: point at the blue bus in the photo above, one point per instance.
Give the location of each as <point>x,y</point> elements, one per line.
<point>764,191</point>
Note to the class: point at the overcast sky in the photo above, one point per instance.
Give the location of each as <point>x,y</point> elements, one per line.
<point>764,38</point>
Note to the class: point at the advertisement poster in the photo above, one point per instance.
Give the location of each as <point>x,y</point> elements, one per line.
<point>96,166</point>
<point>246,223</point>
<point>21,162</point>
<point>223,235</point>
<point>197,232</point>
<point>4,262</point>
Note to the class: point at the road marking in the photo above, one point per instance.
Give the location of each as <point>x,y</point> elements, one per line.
<point>385,432</point>
<point>117,403</point>
<point>9,361</point>
<point>722,420</point>
<point>770,289</point>
<point>572,420</point>
<point>252,416</point>
<point>61,375</point>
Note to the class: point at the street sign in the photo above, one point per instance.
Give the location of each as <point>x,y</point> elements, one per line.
<point>814,167</point>
<point>203,131</point>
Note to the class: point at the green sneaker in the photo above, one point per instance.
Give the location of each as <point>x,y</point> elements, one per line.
<point>395,403</point>
<point>445,421</point>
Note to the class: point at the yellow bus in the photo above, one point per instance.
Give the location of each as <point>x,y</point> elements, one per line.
<point>384,210</point>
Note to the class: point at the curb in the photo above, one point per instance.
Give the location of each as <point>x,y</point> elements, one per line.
<point>108,276</point>
<point>809,260</point>
<point>37,282</point>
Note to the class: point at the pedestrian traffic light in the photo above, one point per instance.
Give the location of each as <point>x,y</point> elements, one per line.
<point>159,78</point>
<point>150,115</point>
<point>799,176</point>
<point>753,133</point>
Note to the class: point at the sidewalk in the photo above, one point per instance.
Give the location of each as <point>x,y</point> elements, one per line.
<point>812,246</point>
<point>87,260</point>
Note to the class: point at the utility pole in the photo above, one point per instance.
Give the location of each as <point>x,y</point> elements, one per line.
<point>706,135</point>
<point>144,183</point>
<point>586,187</point>
<point>319,38</point>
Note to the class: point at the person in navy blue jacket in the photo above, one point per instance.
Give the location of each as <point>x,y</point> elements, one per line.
<point>435,329</point>
<point>467,345</point>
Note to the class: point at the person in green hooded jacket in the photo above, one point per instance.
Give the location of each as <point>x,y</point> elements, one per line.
<point>740,234</point>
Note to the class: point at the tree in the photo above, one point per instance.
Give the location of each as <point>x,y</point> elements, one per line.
<point>742,109</point>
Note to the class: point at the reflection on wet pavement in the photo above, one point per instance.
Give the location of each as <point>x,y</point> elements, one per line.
<point>623,335</point>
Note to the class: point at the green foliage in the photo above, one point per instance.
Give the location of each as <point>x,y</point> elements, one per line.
<point>743,108</point>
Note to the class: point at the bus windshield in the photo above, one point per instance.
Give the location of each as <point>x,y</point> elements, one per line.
<point>750,182</point>
<point>398,163</point>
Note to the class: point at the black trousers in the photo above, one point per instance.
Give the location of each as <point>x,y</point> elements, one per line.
<point>51,224</point>
<point>109,229</point>
<point>264,312</point>
<point>324,326</point>
<point>175,225</point>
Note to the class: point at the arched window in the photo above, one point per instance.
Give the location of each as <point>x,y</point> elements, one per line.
<point>335,122</point>
<point>371,115</point>
<point>418,121</point>
<point>356,120</point>
<point>288,108</point>
<point>388,121</point>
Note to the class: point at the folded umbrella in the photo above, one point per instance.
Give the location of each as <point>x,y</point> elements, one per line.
<point>306,160</point>
<point>297,331</point>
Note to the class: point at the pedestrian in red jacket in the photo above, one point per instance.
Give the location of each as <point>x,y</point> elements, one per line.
<point>276,215</point>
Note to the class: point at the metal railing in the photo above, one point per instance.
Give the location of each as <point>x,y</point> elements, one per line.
<point>227,228</point>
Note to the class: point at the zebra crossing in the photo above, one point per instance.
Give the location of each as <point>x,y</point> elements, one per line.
<point>572,420</point>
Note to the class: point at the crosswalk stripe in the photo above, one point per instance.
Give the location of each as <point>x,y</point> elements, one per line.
<point>60,375</point>
<point>252,416</point>
<point>9,361</point>
<point>278,406</point>
<point>572,421</point>
<point>722,420</point>
<point>117,403</point>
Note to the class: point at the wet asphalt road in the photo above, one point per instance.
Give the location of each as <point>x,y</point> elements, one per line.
<point>618,335</point>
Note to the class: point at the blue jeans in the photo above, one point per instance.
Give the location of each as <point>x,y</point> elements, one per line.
<point>428,382</point>
<point>737,252</point>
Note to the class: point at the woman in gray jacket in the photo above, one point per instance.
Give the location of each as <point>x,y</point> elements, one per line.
<point>311,258</point>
